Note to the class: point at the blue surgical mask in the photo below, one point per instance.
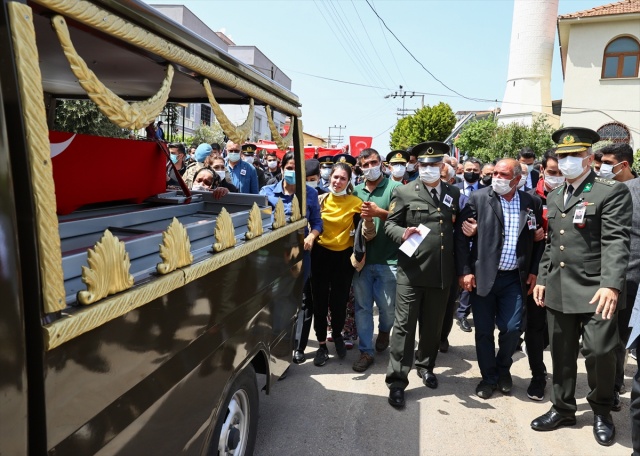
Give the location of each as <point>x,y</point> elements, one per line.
<point>233,156</point>
<point>290,176</point>
<point>174,158</point>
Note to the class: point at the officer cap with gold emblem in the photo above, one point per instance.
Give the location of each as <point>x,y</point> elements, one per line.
<point>397,156</point>
<point>326,161</point>
<point>345,158</point>
<point>248,149</point>
<point>574,139</point>
<point>430,151</point>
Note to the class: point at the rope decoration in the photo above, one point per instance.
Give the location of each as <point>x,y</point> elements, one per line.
<point>237,134</point>
<point>283,142</point>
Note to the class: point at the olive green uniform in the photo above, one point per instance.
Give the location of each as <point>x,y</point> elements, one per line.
<point>579,259</point>
<point>424,278</point>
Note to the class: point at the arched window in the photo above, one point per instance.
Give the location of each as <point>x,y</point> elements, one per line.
<point>621,58</point>
<point>615,132</point>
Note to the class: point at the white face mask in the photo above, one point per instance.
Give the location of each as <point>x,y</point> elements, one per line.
<point>249,159</point>
<point>233,156</point>
<point>325,173</point>
<point>199,188</point>
<point>411,167</point>
<point>340,193</point>
<point>398,170</point>
<point>429,174</point>
<point>501,186</point>
<point>372,174</point>
<point>523,180</point>
<point>571,167</point>
<point>530,167</point>
<point>312,184</point>
<point>606,170</point>
<point>221,174</point>
<point>553,181</point>
<point>272,164</point>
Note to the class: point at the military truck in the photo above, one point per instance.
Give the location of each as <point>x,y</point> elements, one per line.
<point>133,320</point>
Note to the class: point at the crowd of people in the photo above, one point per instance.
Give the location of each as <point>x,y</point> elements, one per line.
<point>546,249</point>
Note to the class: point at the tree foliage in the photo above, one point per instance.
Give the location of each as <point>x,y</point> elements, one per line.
<point>83,116</point>
<point>430,123</point>
<point>207,134</point>
<point>488,141</point>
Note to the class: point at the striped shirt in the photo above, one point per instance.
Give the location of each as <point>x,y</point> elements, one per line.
<point>511,218</point>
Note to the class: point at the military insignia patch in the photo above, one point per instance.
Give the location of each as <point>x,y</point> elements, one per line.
<point>398,155</point>
<point>392,206</point>
<point>430,151</point>
<point>568,140</point>
<point>343,160</point>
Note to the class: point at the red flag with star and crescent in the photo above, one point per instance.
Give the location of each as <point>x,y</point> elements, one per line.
<point>358,143</point>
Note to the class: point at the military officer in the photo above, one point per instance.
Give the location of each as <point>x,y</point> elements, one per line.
<point>326,165</point>
<point>423,277</point>
<point>581,274</point>
<point>398,160</point>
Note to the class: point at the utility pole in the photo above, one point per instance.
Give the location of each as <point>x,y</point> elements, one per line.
<point>405,94</point>
<point>338,138</point>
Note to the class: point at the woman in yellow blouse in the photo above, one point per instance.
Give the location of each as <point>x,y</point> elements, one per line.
<point>331,268</point>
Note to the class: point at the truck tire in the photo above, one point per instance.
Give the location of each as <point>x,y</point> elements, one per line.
<point>237,423</point>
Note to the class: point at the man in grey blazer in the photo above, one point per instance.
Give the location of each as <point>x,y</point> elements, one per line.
<point>499,270</point>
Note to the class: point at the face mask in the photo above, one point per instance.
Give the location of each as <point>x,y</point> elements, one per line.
<point>606,170</point>
<point>523,180</point>
<point>233,156</point>
<point>343,192</point>
<point>429,174</point>
<point>486,180</point>
<point>571,167</point>
<point>530,168</point>
<point>398,170</point>
<point>249,159</point>
<point>199,188</point>
<point>501,186</point>
<point>312,184</point>
<point>221,174</point>
<point>174,158</point>
<point>325,173</point>
<point>411,167</point>
<point>372,174</point>
<point>553,181</point>
<point>471,177</point>
<point>273,164</point>
<point>289,176</point>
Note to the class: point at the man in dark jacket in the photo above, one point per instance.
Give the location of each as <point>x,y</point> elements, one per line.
<point>499,270</point>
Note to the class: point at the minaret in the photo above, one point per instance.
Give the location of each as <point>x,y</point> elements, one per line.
<point>530,55</point>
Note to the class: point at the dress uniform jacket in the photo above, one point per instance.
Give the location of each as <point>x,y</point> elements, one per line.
<point>411,205</point>
<point>579,258</point>
<point>484,257</point>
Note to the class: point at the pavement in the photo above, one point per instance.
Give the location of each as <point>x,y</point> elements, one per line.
<point>332,410</point>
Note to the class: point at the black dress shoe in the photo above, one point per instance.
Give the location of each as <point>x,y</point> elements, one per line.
<point>617,405</point>
<point>396,397</point>
<point>603,429</point>
<point>429,379</point>
<point>505,383</point>
<point>551,420</point>
<point>298,357</point>
<point>444,346</point>
<point>464,324</point>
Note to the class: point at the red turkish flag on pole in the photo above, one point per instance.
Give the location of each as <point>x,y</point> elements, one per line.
<point>358,143</point>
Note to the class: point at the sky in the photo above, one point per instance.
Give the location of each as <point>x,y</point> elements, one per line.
<point>343,61</point>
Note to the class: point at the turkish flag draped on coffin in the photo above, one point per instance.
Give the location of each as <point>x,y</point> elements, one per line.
<point>92,169</point>
<point>358,143</point>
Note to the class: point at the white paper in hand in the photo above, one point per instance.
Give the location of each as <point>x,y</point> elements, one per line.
<point>410,246</point>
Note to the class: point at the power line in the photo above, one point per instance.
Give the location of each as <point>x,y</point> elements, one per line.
<point>393,56</point>
<point>414,57</point>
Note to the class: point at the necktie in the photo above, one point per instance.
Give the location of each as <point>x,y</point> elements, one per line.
<point>469,190</point>
<point>434,193</point>
<point>569,193</point>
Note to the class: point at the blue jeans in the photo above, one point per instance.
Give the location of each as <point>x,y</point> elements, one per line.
<point>502,307</point>
<point>375,283</point>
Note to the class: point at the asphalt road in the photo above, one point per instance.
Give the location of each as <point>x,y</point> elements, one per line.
<point>332,410</point>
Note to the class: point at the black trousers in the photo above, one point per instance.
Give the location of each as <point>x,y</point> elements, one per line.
<point>305,316</point>
<point>623,332</point>
<point>452,305</point>
<point>331,274</point>
<point>536,337</point>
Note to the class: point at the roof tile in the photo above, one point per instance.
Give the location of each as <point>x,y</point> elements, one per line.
<point>623,7</point>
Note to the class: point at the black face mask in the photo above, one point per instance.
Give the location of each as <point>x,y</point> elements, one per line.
<point>486,180</point>
<point>472,178</point>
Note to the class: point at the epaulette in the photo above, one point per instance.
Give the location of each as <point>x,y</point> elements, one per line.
<point>602,180</point>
